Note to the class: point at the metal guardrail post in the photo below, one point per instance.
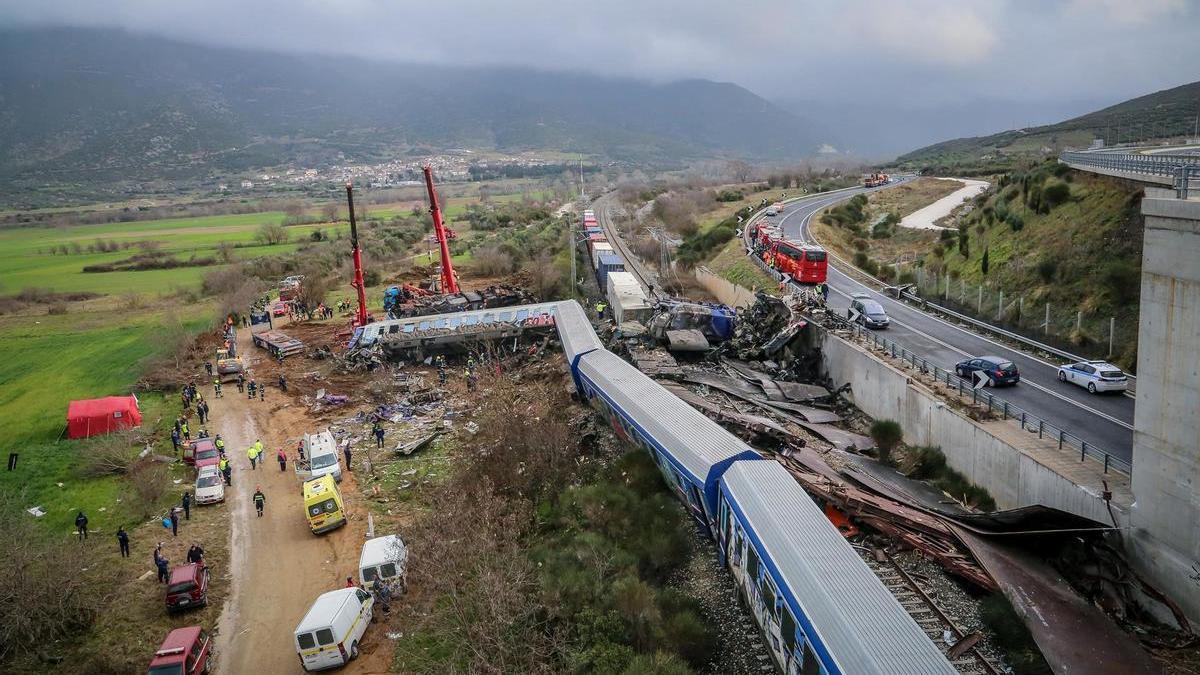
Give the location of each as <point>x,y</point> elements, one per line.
<point>1041,424</point>
<point>1006,410</point>
<point>1106,462</point>
<point>1061,438</point>
<point>1082,450</point>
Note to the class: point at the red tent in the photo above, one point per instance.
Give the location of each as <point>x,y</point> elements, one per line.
<point>97,416</point>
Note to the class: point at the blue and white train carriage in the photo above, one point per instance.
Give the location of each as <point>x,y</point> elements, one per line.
<point>822,610</point>
<point>820,607</point>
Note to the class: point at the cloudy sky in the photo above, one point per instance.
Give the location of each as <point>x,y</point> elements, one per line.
<point>1042,56</point>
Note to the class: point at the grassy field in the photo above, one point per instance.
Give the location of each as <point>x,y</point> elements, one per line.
<point>45,362</point>
<point>30,257</point>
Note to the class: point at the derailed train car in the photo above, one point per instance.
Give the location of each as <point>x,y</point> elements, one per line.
<point>818,605</point>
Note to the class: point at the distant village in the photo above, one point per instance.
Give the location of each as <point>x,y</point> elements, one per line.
<point>450,166</point>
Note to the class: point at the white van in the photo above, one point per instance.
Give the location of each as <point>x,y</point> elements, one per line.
<point>328,636</point>
<point>383,559</point>
<point>322,454</point>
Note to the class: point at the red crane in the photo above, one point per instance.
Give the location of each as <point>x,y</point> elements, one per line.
<point>449,281</point>
<point>360,317</point>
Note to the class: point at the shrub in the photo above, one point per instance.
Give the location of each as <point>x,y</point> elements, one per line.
<point>985,263</point>
<point>730,196</point>
<point>860,244</point>
<point>861,259</point>
<point>1046,269</point>
<point>1016,222</point>
<point>938,251</point>
<point>1122,279</point>
<point>887,435</point>
<point>271,233</point>
<point>1055,194</point>
<point>57,309</point>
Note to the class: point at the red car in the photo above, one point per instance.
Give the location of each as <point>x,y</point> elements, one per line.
<point>207,456</point>
<point>279,309</point>
<point>188,587</point>
<point>199,446</point>
<point>185,652</point>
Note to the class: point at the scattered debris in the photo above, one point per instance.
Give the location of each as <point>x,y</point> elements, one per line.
<point>37,511</point>
<point>413,446</point>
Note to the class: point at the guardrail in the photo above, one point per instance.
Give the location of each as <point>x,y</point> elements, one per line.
<point>1181,169</point>
<point>1008,411</point>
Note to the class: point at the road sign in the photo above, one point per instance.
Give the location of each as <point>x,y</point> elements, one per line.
<point>982,379</point>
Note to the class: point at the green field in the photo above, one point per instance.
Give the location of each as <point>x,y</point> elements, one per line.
<point>28,261</point>
<point>45,362</point>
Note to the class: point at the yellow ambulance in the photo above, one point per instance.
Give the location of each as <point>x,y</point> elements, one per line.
<point>323,504</point>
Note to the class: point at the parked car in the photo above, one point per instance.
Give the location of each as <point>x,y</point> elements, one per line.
<point>210,486</point>
<point>187,587</point>
<point>1096,376</point>
<point>870,312</point>
<point>279,309</point>
<point>207,455</point>
<point>328,635</point>
<point>1000,370</point>
<point>184,652</point>
<point>190,448</point>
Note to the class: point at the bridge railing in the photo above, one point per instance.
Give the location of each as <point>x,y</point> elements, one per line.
<point>1183,170</point>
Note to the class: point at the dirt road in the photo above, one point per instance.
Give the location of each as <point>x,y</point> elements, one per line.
<point>278,566</point>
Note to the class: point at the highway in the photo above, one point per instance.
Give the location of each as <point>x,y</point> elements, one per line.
<point>1103,420</point>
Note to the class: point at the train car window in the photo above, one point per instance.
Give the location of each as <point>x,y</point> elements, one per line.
<point>393,328</point>
<point>768,593</point>
<point>811,666</point>
<point>752,564</point>
<point>787,630</point>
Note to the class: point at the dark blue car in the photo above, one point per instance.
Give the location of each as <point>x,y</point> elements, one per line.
<point>999,370</point>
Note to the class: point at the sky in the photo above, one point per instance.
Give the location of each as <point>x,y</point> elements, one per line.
<point>1040,57</point>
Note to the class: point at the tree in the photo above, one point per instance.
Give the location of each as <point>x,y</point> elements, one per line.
<point>271,233</point>
<point>740,170</point>
<point>329,212</point>
<point>964,243</point>
<point>984,264</point>
<point>887,434</point>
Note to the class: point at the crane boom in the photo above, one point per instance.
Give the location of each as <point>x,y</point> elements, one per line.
<point>360,316</point>
<point>449,280</point>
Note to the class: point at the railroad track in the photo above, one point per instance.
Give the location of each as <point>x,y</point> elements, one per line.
<point>964,655</point>
<point>633,264</point>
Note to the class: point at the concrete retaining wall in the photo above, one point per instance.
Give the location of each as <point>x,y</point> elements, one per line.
<point>989,454</point>
<point>726,291</point>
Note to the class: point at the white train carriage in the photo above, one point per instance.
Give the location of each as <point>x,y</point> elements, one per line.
<point>691,450</point>
<point>822,610</point>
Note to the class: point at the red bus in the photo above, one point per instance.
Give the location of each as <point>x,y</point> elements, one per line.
<point>804,263</point>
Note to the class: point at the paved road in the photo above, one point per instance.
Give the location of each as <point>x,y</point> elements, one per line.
<point>1103,420</point>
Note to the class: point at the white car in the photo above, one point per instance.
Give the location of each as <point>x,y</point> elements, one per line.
<point>1097,376</point>
<point>210,487</point>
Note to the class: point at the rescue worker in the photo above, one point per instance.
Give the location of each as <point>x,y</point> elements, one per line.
<point>241,382</point>
<point>300,449</point>
<point>346,451</point>
<point>252,454</point>
<point>377,430</point>
<point>208,368</point>
<point>440,361</point>
<point>187,433</point>
<point>161,562</point>
<point>217,387</point>
<point>283,384</point>
<point>259,500</point>
<point>226,470</point>
<point>472,380</point>
<point>258,447</point>
<point>203,433</point>
<point>123,541</point>
<point>251,389</point>
<point>600,307</point>
<point>81,522</point>
<point>282,457</point>
<point>187,505</point>
<point>262,393</point>
<point>174,517</point>
<point>220,443</point>
<point>175,439</point>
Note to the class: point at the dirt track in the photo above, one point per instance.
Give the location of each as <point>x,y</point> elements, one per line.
<point>279,567</point>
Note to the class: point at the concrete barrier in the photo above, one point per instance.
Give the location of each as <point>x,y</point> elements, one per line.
<point>726,291</point>
<point>1014,466</point>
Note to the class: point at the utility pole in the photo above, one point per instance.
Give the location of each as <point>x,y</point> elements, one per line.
<point>582,190</point>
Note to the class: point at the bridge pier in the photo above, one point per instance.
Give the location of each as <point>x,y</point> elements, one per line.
<point>1165,541</point>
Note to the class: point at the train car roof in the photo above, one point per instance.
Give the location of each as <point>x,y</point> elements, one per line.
<point>575,330</point>
<point>695,442</point>
<point>859,621</point>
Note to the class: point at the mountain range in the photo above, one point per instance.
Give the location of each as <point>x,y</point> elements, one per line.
<point>81,105</point>
<point>1168,114</point>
